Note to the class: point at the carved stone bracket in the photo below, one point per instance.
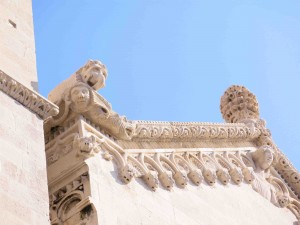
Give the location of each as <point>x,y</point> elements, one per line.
<point>72,202</point>
<point>170,168</point>
<point>27,97</point>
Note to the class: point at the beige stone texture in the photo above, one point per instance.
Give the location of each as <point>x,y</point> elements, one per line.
<point>105,169</point>
<point>23,189</point>
<point>133,203</point>
<point>17,48</point>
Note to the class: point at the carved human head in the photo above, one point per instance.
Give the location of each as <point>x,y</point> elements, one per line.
<point>283,201</point>
<point>80,96</point>
<point>263,157</point>
<point>94,73</point>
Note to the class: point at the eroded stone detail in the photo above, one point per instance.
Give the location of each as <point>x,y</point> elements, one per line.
<point>93,73</point>
<point>85,146</point>
<point>77,97</point>
<point>27,97</point>
<point>71,202</point>
<point>238,104</point>
<point>169,167</point>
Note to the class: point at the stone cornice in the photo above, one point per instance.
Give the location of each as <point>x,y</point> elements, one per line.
<point>27,97</point>
<point>160,131</point>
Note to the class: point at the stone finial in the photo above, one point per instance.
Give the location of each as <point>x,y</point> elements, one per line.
<point>238,103</point>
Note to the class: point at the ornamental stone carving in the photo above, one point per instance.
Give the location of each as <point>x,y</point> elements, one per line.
<point>238,103</point>
<point>93,73</point>
<point>77,96</point>
<point>178,131</point>
<point>165,154</point>
<point>85,146</point>
<point>27,97</point>
<point>71,203</point>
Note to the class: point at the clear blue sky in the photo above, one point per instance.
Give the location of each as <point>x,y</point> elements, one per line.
<point>173,59</point>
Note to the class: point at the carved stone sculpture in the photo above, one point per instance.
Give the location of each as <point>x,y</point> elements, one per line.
<point>238,103</point>
<point>93,73</point>
<point>91,105</point>
<point>223,176</point>
<point>85,146</point>
<point>263,159</point>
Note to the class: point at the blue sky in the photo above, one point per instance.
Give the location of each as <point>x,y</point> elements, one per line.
<point>173,60</point>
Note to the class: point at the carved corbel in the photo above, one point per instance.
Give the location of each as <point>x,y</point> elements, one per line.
<point>209,174</point>
<point>221,170</point>
<point>149,176</point>
<point>193,174</point>
<point>179,176</point>
<point>163,175</point>
<point>86,146</point>
<point>70,200</point>
<point>126,172</point>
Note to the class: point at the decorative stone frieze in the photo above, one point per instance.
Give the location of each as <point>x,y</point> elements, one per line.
<point>27,97</point>
<point>154,130</point>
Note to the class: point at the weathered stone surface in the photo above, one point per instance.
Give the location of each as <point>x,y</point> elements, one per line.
<point>24,195</point>
<point>163,172</point>
<point>17,49</point>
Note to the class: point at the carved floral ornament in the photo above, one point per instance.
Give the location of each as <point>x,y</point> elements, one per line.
<point>27,97</point>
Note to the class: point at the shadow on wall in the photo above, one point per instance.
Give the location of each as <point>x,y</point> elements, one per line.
<point>34,85</point>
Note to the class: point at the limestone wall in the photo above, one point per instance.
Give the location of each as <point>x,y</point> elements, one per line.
<point>134,203</point>
<point>17,49</point>
<point>23,178</point>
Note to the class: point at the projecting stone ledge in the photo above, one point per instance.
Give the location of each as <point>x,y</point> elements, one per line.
<point>27,97</point>
<point>161,154</point>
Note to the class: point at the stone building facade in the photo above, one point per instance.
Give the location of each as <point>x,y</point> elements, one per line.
<point>81,163</point>
<point>23,177</point>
